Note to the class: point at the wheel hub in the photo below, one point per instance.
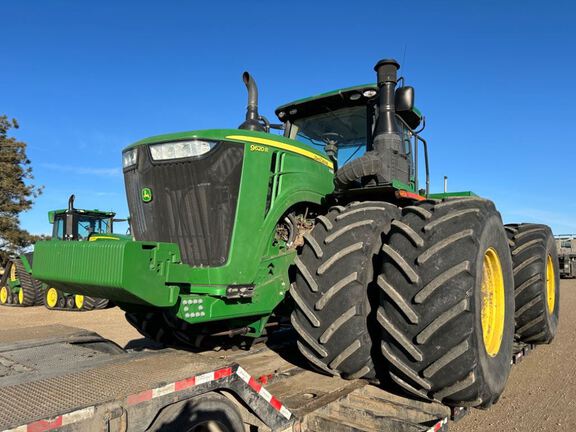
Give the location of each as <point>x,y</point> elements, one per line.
<point>52,297</point>
<point>79,301</point>
<point>550,284</point>
<point>3,295</point>
<point>13,272</point>
<point>493,303</point>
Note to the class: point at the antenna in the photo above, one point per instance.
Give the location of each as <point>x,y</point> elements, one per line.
<point>403,64</point>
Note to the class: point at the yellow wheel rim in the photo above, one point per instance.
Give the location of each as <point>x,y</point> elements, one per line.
<point>3,295</point>
<point>13,272</point>
<point>550,284</point>
<point>51,297</point>
<point>79,301</point>
<point>493,303</point>
<point>21,296</point>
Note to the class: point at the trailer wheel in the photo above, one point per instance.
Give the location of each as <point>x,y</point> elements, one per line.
<point>447,302</point>
<point>334,273</point>
<point>206,413</point>
<point>536,281</point>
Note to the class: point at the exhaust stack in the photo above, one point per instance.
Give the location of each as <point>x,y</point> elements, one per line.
<point>387,143</point>
<point>252,121</point>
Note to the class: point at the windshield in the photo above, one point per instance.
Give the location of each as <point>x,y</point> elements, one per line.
<point>347,126</point>
<point>88,225</point>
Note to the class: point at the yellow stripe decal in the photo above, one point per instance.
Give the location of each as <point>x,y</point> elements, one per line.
<point>98,237</point>
<point>283,146</point>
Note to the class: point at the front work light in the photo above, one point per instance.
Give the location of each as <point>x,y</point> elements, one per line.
<point>129,158</point>
<point>180,149</point>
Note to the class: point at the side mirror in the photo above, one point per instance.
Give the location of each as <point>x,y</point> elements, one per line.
<point>404,99</point>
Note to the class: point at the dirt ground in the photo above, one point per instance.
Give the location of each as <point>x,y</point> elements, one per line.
<point>540,395</point>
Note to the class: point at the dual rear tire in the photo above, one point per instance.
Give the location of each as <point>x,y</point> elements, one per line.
<point>432,299</point>
<point>536,280</point>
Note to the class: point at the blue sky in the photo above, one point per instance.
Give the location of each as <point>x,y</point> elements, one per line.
<point>495,79</point>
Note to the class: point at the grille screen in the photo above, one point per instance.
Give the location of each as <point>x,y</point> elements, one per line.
<point>193,202</point>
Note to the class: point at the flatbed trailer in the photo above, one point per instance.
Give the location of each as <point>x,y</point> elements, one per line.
<point>69,379</point>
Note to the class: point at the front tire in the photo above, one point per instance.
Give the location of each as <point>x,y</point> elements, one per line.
<point>536,280</point>
<point>447,302</point>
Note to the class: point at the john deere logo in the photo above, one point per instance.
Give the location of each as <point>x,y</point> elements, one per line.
<point>146,195</point>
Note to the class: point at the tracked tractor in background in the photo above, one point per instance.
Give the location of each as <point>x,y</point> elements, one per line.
<point>239,230</point>
<point>19,288</point>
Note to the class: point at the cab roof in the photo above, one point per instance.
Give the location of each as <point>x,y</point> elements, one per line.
<point>354,96</point>
<point>95,212</point>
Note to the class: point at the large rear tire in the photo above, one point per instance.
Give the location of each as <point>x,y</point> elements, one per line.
<point>334,272</point>
<point>447,302</point>
<point>536,281</point>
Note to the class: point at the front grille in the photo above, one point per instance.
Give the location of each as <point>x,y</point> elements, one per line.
<point>193,202</point>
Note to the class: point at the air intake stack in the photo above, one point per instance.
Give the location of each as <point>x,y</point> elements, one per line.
<point>388,143</point>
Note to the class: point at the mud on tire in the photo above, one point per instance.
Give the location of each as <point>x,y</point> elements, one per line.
<point>432,303</point>
<point>334,271</point>
<point>537,293</point>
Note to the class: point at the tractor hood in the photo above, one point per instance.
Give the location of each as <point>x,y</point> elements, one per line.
<point>258,141</point>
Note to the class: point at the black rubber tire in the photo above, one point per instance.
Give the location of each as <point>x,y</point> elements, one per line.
<point>70,303</point>
<point>332,306</point>
<point>151,325</point>
<point>431,302</point>
<point>531,245</point>
<point>367,165</point>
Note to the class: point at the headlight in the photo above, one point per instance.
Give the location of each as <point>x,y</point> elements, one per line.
<point>129,158</point>
<point>180,149</point>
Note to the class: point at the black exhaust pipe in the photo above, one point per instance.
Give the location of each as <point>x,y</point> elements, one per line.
<point>71,203</point>
<point>69,233</point>
<point>252,121</point>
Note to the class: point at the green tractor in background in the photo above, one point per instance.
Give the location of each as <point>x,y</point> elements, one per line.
<point>19,288</point>
<point>238,231</point>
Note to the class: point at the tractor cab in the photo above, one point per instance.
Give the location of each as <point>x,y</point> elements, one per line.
<point>343,124</point>
<point>79,224</point>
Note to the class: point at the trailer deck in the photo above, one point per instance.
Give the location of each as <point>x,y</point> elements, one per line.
<point>64,378</point>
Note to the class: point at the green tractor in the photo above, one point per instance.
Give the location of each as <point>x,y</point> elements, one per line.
<point>19,288</point>
<point>238,231</point>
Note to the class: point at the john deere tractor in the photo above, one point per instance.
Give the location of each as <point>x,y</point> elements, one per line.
<point>19,288</point>
<point>239,230</point>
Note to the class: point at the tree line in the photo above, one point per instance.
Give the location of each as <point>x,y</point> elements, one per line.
<point>17,192</point>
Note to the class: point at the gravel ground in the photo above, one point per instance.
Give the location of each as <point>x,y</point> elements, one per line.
<point>540,395</point>
<point>541,391</point>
